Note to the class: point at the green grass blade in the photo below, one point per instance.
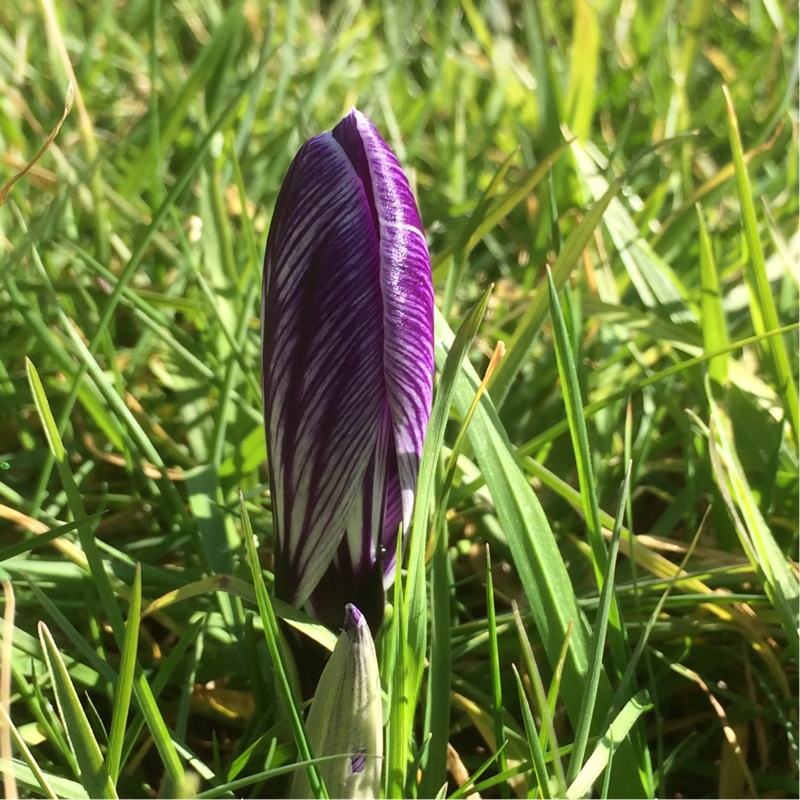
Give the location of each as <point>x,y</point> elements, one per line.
<point>758,541</point>
<point>598,642</point>
<point>398,727</point>
<point>582,92</point>
<point>272,636</point>
<point>96,566</point>
<point>762,303</point>
<point>436,730</point>
<point>159,731</point>
<point>630,670</point>
<point>608,745</point>
<point>124,688</point>
<point>176,658</point>
<point>545,704</point>
<point>81,738</point>
<point>46,416</point>
<point>461,438</point>
<point>712,318</point>
<point>548,87</point>
<point>494,669</point>
<point>537,755</point>
<point>202,486</point>
<point>573,404</point>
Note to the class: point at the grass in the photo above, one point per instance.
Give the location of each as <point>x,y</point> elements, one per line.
<point>646,403</point>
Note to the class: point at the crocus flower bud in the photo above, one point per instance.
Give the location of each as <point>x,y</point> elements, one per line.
<point>346,717</point>
<point>347,321</point>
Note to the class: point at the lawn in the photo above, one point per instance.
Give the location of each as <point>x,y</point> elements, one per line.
<point>599,590</point>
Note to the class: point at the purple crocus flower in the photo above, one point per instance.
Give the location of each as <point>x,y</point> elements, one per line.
<point>347,321</point>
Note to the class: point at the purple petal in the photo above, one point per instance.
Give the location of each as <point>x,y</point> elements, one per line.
<point>407,296</point>
<point>323,382</point>
<point>353,618</point>
<point>348,368</point>
<point>358,760</point>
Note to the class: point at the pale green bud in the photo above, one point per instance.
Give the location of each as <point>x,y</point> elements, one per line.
<point>346,717</point>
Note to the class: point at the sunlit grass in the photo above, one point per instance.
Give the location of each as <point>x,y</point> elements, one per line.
<point>600,143</point>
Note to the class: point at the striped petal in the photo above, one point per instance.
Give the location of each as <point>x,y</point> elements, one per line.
<point>324,390</point>
<point>347,321</point>
<point>407,290</point>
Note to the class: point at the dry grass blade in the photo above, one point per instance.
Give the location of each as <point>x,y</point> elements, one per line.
<point>44,148</point>
<point>731,738</point>
<point>9,783</point>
